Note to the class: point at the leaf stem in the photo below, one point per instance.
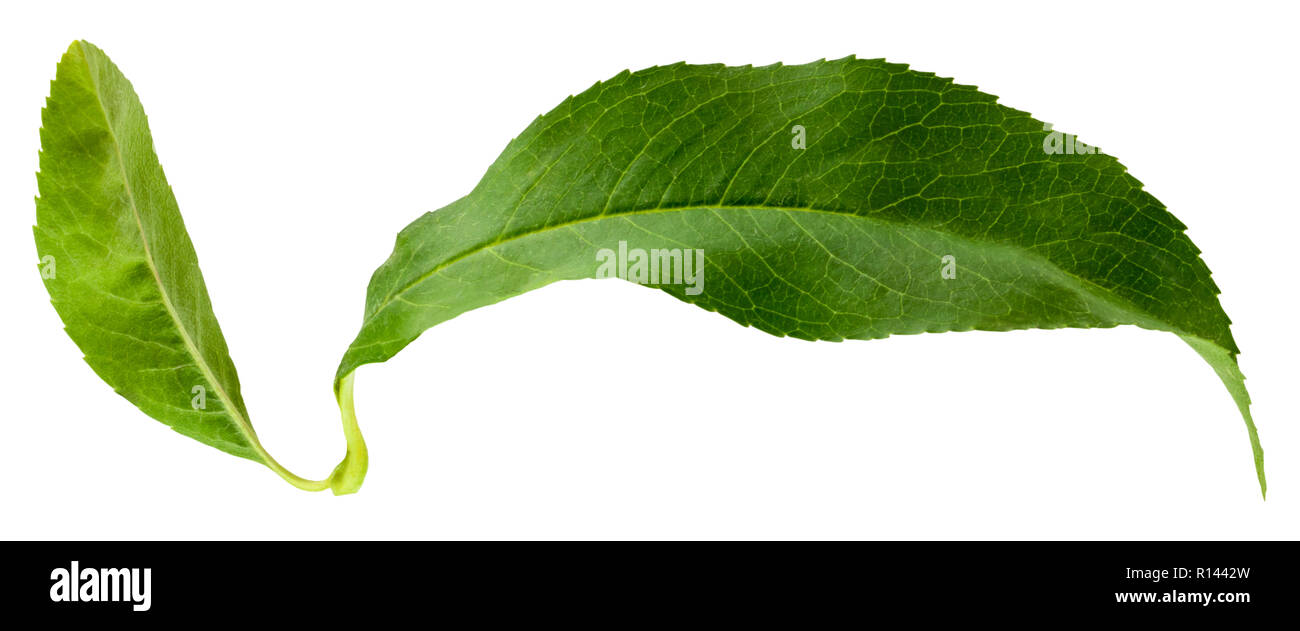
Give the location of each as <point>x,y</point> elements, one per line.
<point>348,475</point>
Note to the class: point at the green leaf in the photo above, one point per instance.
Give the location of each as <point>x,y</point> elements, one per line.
<point>846,237</point>
<point>123,275</point>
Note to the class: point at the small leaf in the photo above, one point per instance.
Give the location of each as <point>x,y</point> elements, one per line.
<point>125,278</point>
<point>848,199</point>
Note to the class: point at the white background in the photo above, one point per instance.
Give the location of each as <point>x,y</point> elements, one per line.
<point>300,138</point>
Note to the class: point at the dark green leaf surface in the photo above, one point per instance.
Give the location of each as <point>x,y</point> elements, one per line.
<point>842,239</point>
<point>125,278</point>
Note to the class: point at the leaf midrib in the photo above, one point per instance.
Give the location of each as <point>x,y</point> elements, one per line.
<point>1097,290</point>
<point>227,402</point>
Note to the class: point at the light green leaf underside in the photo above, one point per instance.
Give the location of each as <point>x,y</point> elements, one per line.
<point>126,280</point>
<point>842,239</point>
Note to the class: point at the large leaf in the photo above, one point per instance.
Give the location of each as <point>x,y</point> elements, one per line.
<point>844,238</point>
<point>122,272</point>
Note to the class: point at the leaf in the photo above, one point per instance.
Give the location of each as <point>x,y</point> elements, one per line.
<point>122,272</point>
<point>913,205</point>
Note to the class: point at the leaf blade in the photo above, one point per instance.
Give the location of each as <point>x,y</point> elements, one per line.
<point>840,239</point>
<point>104,211</point>
<point>122,272</point>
